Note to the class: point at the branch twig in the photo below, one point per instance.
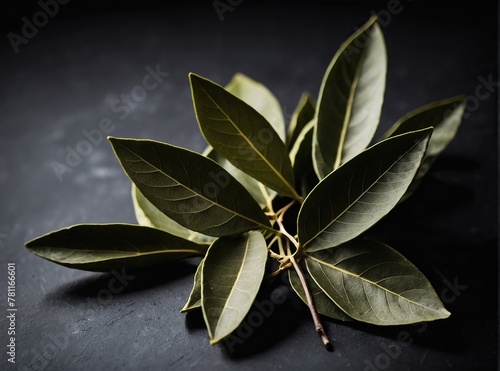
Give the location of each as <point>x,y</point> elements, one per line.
<point>310,302</point>
<point>279,219</point>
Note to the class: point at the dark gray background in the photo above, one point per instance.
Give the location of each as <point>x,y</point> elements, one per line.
<point>64,80</point>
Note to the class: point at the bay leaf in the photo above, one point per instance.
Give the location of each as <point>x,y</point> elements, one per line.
<point>302,162</point>
<point>373,283</point>
<point>147,214</point>
<point>445,117</point>
<point>242,135</point>
<point>350,99</point>
<point>261,99</point>
<point>359,193</point>
<point>323,304</point>
<point>189,188</point>
<point>302,115</point>
<point>231,277</point>
<point>104,247</point>
<point>259,192</point>
<point>194,300</point>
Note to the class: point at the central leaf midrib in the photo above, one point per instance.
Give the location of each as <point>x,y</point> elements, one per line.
<point>360,196</point>
<point>274,170</point>
<point>130,253</point>
<point>247,243</point>
<point>334,61</point>
<point>196,193</point>
<point>322,262</point>
<point>348,114</point>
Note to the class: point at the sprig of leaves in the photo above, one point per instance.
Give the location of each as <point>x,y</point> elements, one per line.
<point>226,205</point>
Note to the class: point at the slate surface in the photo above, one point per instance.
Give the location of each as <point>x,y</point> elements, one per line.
<point>77,70</point>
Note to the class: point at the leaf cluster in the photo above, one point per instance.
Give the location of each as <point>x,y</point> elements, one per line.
<point>301,194</point>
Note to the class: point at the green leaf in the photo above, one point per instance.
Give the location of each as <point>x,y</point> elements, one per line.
<point>261,99</point>
<point>147,214</point>
<point>189,188</point>
<point>231,276</point>
<point>104,247</point>
<point>445,116</point>
<point>194,300</point>
<point>303,114</point>
<point>259,192</point>
<point>300,154</point>
<point>324,305</point>
<point>373,283</point>
<point>362,191</point>
<point>242,135</point>
<point>350,99</point>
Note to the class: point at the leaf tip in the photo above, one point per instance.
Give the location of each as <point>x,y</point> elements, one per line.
<point>214,341</point>
<point>421,134</point>
<point>189,307</point>
<point>444,313</point>
<point>112,139</point>
<point>373,19</point>
<point>461,100</point>
<point>193,76</point>
<point>32,243</point>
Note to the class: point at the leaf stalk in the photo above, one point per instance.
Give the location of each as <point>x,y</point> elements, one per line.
<point>310,303</point>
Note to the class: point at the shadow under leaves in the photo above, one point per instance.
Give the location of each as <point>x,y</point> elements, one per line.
<point>122,281</point>
<point>276,312</point>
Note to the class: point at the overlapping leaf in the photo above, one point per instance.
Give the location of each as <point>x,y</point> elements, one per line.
<point>242,135</point>
<point>373,283</point>
<point>259,192</point>
<point>350,99</point>
<point>324,305</point>
<point>261,99</point>
<point>104,247</point>
<point>147,214</point>
<point>300,154</point>
<point>194,300</point>
<point>189,188</point>
<point>359,193</point>
<point>230,279</point>
<point>444,116</point>
<point>303,114</point>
